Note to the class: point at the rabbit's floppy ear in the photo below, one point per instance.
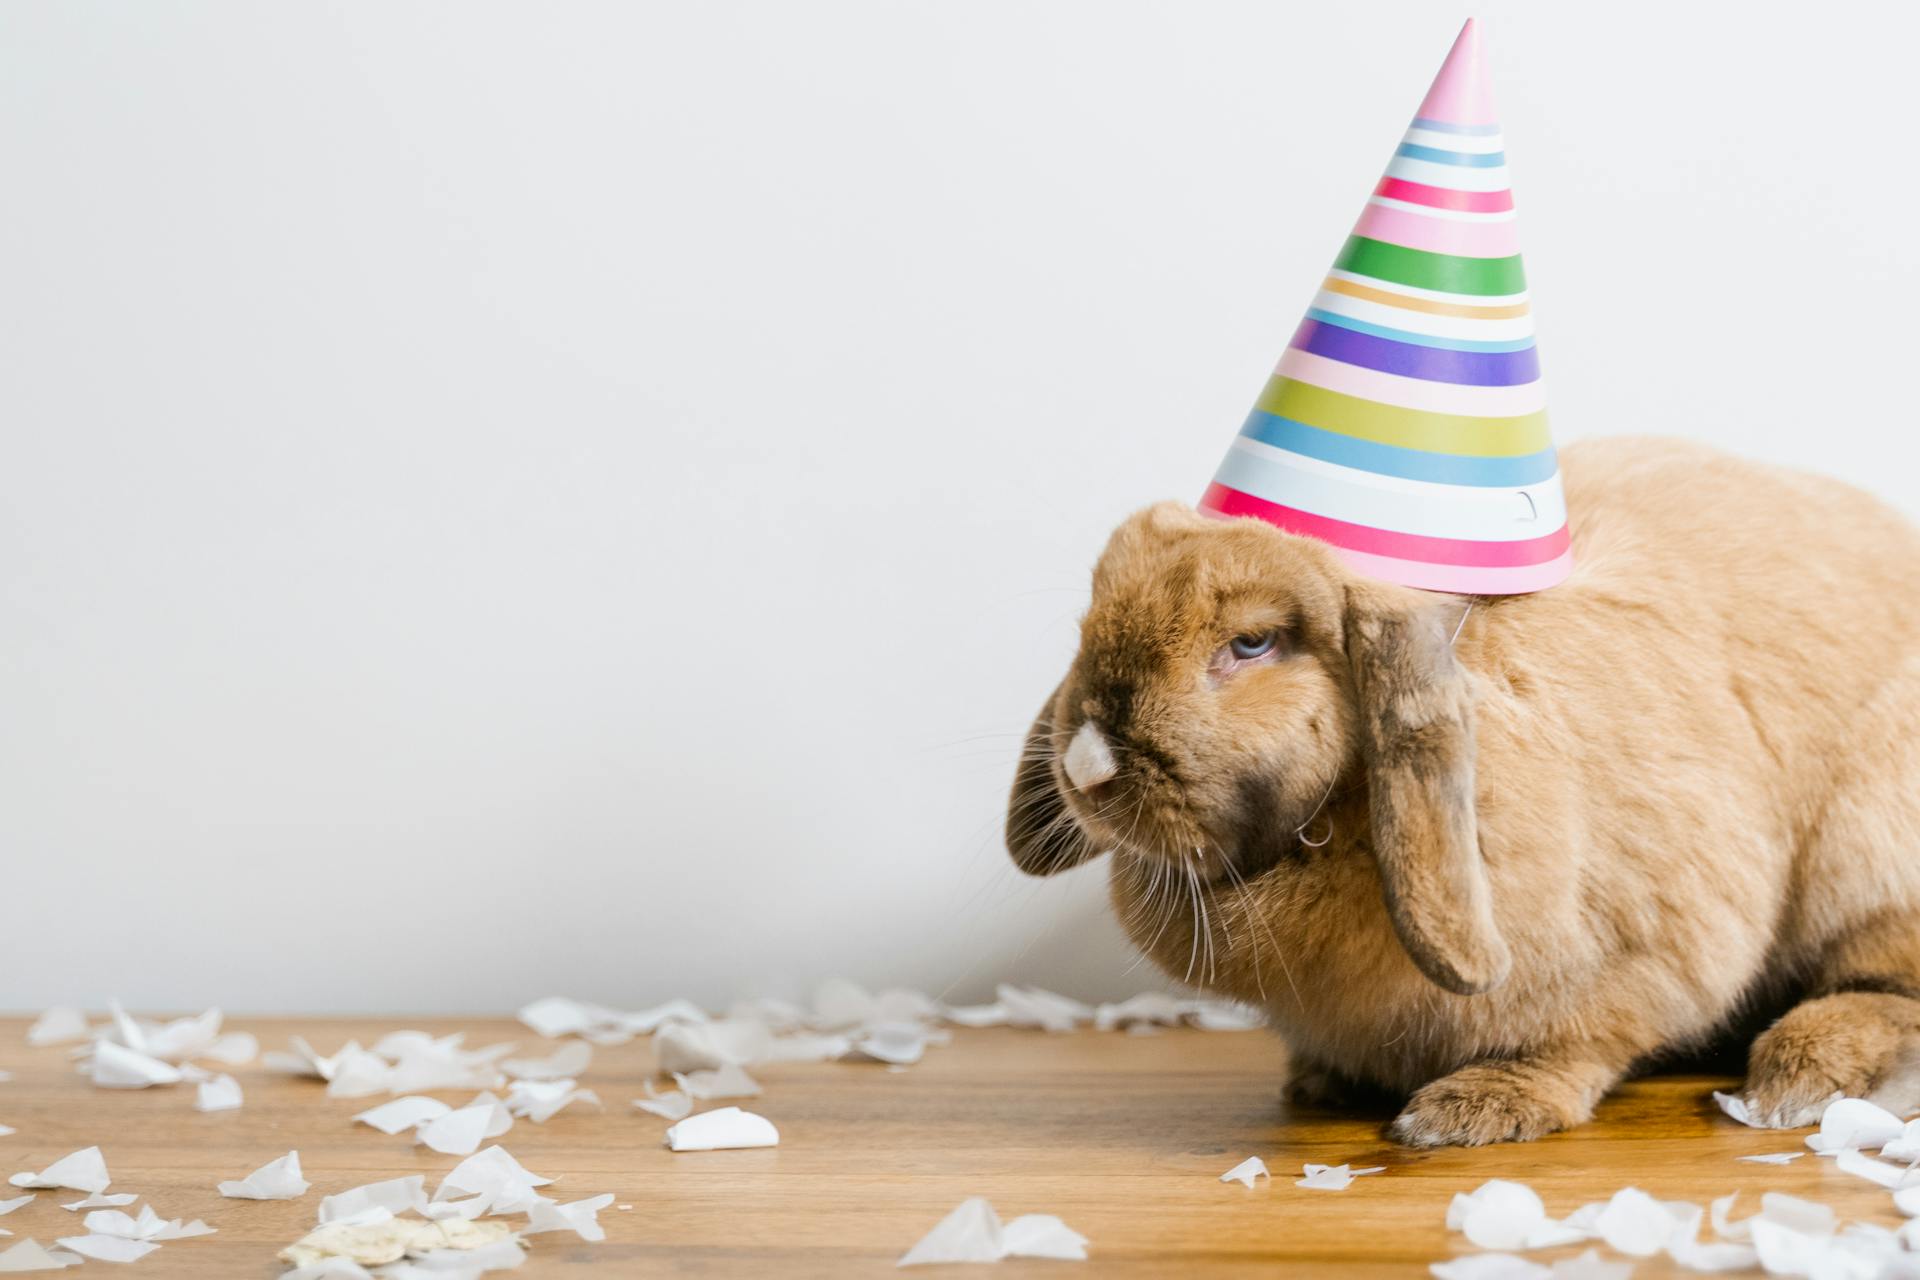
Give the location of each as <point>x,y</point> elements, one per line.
<point>1042,837</point>
<point>1416,737</point>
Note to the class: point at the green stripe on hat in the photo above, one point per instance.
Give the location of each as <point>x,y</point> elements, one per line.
<point>1485,277</point>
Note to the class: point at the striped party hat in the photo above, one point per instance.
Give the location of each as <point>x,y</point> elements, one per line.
<point>1406,424</point>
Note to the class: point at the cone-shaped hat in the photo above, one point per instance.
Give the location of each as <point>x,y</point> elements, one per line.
<point>1407,424</point>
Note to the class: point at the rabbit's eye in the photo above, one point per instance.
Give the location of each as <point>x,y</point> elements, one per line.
<point>1245,647</point>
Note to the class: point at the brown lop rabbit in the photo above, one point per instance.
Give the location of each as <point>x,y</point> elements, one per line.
<point>1495,853</point>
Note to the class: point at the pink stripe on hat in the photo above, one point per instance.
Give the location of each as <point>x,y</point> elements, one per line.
<point>1439,235</point>
<point>1461,93</point>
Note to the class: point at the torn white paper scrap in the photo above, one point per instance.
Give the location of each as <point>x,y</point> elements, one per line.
<point>376,1201</point>
<point>30,1255</point>
<point>1152,1007</point>
<point>1905,1147</point>
<point>1686,1248</point>
<point>58,1025</point>
<point>580,1217</point>
<point>1776,1157</point>
<point>1489,1266</point>
<point>148,1226</point>
<point>1634,1223</point>
<point>107,1248</point>
<point>83,1170</point>
<point>460,1133</point>
<point>802,1048</point>
<point>422,1062</point>
<point>1246,1171</point>
<point>976,1015</point>
<point>491,1181</point>
<point>115,1066</point>
<point>569,1060</point>
<point>724,1129</point>
<point>8,1206</point>
<point>1337,1177</point>
<point>839,1004</point>
<point>558,1016</point>
<point>1591,1266</point>
<point>403,1113</point>
<point>686,1046</point>
<point>722,1082</point>
<point>1890,1176</point>
<point>1808,1217</point>
<point>102,1201</point>
<point>673,1105</point>
<point>900,1043</point>
<point>1737,1109</point>
<point>541,1100</point>
<point>1035,1007</point>
<point>1854,1122</point>
<point>1498,1215</point>
<point>971,1233</point>
<point>1217,1015</point>
<point>277,1180</point>
<point>1041,1235</point>
<point>235,1049</point>
<point>222,1093</point>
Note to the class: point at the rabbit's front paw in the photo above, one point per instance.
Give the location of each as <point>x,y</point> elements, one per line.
<point>1499,1101</point>
<point>1848,1044</point>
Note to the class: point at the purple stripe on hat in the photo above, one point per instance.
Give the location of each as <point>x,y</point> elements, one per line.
<point>1433,364</point>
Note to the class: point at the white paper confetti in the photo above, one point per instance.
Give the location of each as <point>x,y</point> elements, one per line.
<point>580,1217</point>
<point>569,1060</point>
<point>460,1133</point>
<point>673,1105</point>
<point>1489,1266</point>
<point>114,1066</point>
<point>1854,1123</point>
<point>727,1128</point>
<point>973,1233</point>
<point>108,1248</point>
<point>58,1025</point>
<point>403,1113</point>
<point>541,1100</point>
<point>1338,1177</point>
<point>376,1201</point>
<point>83,1170</point>
<point>1776,1157</point>
<point>490,1182</point>
<point>8,1206</point>
<point>102,1201</point>
<point>222,1093</point>
<point>722,1082</point>
<point>29,1255</point>
<point>1246,1171</point>
<point>277,1180</point>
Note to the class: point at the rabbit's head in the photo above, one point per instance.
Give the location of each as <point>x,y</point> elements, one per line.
<point>1230,677</point>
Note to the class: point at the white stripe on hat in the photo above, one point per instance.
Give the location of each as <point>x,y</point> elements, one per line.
<point>1474,512</point>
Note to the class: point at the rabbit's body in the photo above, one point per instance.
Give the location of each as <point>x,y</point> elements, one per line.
<point>1695,770</point>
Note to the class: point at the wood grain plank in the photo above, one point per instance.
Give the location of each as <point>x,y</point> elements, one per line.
<point>1122,1136</point>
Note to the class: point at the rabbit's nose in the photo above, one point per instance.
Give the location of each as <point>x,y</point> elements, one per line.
<point>1089,760</point>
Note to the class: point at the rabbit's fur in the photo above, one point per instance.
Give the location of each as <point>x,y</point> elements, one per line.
<point>1498,870</point>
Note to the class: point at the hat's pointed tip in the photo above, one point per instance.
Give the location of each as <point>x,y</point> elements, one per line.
<point>1462,93</point>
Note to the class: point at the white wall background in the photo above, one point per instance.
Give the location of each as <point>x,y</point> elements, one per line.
<point>499,499</point>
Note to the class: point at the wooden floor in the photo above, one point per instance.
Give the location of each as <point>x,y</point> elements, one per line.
<point>1122,1136</point>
